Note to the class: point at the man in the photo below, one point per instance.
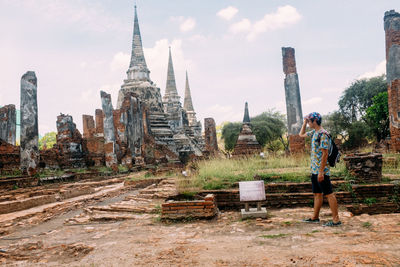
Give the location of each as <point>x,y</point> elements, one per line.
<point>321,183</point>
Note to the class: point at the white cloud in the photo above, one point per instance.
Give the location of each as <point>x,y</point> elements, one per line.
<point>283,17</point>
<point>186,24</point>
<point>242,26</point>
<point>379,70</point>
<point>227,13</point>
<point>120,62</point>
<point>44,128</point>
<point>280,106</point>
<point>312,101</point>
<point>88,16</point>
<point>224,113</point>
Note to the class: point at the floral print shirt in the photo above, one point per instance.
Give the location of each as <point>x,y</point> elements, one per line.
<point>316,150</point>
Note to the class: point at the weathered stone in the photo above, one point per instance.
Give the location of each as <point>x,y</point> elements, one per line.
<point>69,143</point>
<point>292,91</point>
<point>392,32</point>
<point>109,132</point>
<point>210,136</point>
<point>29,124</point>
<point>8,121</point>
<point>246,143</point>
<point>366,167</point>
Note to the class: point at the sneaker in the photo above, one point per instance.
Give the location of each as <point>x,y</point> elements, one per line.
<point>309,220</point>
<point>332,224</point>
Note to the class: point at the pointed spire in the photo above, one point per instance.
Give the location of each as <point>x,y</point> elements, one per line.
<point>246,118</point>
<point>171,85</point>
<point>187,104</point>
<point>137,67</point>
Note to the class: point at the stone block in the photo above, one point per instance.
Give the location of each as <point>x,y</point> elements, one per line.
<point>253,213</point>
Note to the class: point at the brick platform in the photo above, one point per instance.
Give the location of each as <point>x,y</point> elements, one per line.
<point>199,209</point>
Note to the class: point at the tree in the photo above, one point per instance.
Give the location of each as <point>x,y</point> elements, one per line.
<point>377,116</point>
<point>50,139</point>
<point>230,133</point>
<point>336,124</point>
<point>358,97</point>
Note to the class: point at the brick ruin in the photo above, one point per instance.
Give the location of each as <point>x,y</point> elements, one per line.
<point>210,136</point>
<point>246,143</point>
<point>392,36</point>
<point>293,101</point>
<point>366,167</point>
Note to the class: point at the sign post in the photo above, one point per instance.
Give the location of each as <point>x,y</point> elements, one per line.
<point>250,192</point>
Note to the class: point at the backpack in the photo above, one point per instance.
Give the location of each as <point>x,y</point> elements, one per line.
<point>333,151</point>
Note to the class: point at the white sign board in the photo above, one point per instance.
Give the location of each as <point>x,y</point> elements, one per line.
<point>252,191</point>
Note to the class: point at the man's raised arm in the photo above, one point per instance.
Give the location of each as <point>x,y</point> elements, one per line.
<point>303,129</point>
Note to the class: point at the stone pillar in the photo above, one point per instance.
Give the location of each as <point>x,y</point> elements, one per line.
<point>109,132</point>
<point>29,124</point>
<point>392,34</point>
<point>99,122</point>
<point>8,122</point>
<point>88,126</point>
<point>293,100</point>
<point>210,135</point>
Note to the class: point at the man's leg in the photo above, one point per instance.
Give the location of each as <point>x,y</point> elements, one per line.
<point>318,198</point>
<point>334,207</point>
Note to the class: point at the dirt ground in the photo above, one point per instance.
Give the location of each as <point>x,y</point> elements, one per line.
<point>141,239</point>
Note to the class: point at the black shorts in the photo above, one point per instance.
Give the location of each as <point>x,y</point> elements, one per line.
<point>324,187</point>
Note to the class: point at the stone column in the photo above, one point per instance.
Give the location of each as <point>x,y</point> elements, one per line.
<point>293,100</point>
<point>29,124</point>
<point>392,34</point>
<point>8,122</point>
<point>109,132</point>
<point>210,135</point>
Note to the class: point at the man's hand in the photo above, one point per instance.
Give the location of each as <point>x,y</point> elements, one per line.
<point>320,177</point>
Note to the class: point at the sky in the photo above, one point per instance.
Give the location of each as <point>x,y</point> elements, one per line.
<point>230,49</point>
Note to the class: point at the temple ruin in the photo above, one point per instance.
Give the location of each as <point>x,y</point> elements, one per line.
<point>293,101</point>
<point>392,34</point>
<point>246,143</point>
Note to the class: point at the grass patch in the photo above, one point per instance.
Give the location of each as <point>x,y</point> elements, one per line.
<point>273,236</point>
<point>315,231</point>
<point>370,200</point>
<point>366,225</point>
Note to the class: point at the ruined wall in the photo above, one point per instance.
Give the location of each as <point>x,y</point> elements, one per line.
<point>293,100</point>
<point>93,141</point>
<point>392,34</point>
<point>29,124</point>
<point>210,136</point>
<point>8,122</point>
<point>69,143</point>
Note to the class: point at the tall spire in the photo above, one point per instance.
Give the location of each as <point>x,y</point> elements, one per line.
<point>171,85</point>
<point>137,68</point>
<point>187,104</point>
<point>246,117</point>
